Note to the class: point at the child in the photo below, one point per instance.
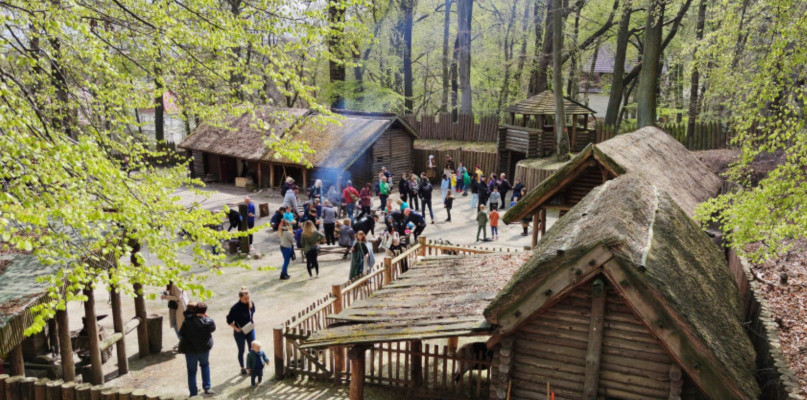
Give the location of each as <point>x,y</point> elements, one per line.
<point>453,182</point>
<point>495,197</point>
<point>346,237</point>
<point>396,248</point>
<point>494,223</point>
<point>481,221</point>
<point>448,203</point>
<point>256,360</point>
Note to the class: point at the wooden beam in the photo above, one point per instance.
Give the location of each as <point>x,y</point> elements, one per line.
<point>117,323</point>
<point>278,350</point>
<point>140,306</point>
<point>271,175</point>
<point>387,270</point>
<point>453,344</point>
<point>595,333</point>
<point>536,224</point>
<point>357,365</point>
<point>417,363</point>
<point>66,346</point>
<point>553,288</point>
<point>305,179</point>
<point>543,221</point>
<point>676,382</point>
<point>17,367</point>
<point>53,335</point>
<point>91,327</point>
<point>260,176</point>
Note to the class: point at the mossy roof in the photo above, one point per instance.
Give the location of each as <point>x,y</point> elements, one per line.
<point>436,297</point>
<point>437,144</point>
<point>667,255</point>
<point>544,104</point>
<point>650,154</point>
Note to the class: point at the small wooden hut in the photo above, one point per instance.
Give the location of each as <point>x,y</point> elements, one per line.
<point>649,153</point>
<point>625,298</point>
<point>529,132</point>
<point>355,148</point>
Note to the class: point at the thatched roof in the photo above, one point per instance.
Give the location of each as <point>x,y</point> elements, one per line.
<point>335,145</point>
<point>648,153</point>
<point>672,275</point>
<point>440,145</point>
<point>434,299</point>
<point>19,291</point>
<point>238,136</point>
<point>544,104</point>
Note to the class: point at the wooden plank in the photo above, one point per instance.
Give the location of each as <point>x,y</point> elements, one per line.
<point>66,347</point>
<point>595,338</point>
<point>91,327</point>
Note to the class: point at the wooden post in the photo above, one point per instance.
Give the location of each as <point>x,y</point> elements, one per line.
<point>54,389</point>
<point>278,345</point>
<point>594,351</point>
<point>387,270</point>
<point>259,183</point>
<point>417,363</point>
<point>117,322</point>
<point>574,133</point>
<point>535,228</point>
<point>676,382</point>
<point>543,221</point>
<point>91,327</point>
<point>13,387</point>
<point>453,344</point>
<point>40,389</point>
<point>83,391</point>
<point>305,179</point>
<point>422,243</point>
<point>221,171</point>
<point>16,361</point>
<point>66,346</point>
<point>338,351</point>
<point>27,388</point>
<point>69,391</point>
<point>53,335</point>
<point>271,175</point>
<point>242,209</point>
<point>357,362</point>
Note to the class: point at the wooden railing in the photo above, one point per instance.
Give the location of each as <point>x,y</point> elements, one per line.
<point>20,387</point>
<point>331,363</point>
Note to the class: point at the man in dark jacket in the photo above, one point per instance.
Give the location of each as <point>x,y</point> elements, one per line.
<point>277,217</point>
<point>403,187</point>
<point>517,190</point>
<point>396,222</point>
<point>195,341</point>
<point>504,186</point>
<point>425,193</point>
<point>366,225</point>
<point>235,219</point>
<point>417,219</point>
<point>484,194</point>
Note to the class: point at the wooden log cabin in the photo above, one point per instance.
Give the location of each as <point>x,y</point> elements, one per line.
<point>355,147</point>
<point>529,130</point>
<point>625,298</point>
<point>649,153</point>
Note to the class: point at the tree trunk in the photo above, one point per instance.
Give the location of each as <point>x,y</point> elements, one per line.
<point>591,69</point>
<point>508,58</point>
<point>446,58</point>
<point>648,77</point>
<point>336,70</point>
<point>159,114</point>
<point>618,80</point>
<point>464,15</point>
<point>62,121</point>
<point>522,57</point>
<point>557,64</point>
<point>407,8</point>
<point>572,87</point>
<point>454,80</point>
<point>694,110</point>
<point>538,80</point>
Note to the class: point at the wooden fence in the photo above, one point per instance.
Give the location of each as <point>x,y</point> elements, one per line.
<point>441,126</point>
<point>707,136</point>
<point>488,162</point>
<point>388,363</point>
<point>20,387</point>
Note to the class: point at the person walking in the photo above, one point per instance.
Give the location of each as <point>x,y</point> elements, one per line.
<point>250,220</point>
<point>195,341</point>
<point>286,246</point>
<point>350,195</point>
<point>290,200</point>
<point>310,240</point>
<point>426,197</point>
<point>448,203</point>
<point>449,167</point>
<point>256,360</point>
<point>177,303</point>
<point>286,186</point>
<point>475,192</point>
<point>444,187</point>
<point>383,192</point>
<point>359,255</point>
<point>494,223</point>
<point>466,183</point>
<point>403,187</point>
<point>483,192</point>
<point>329,222</point>
<point>504,187</point>
<point>346,237</point>
<point>240,319</point>
<point>481,223</point>
<point>366,199</point>
<point>461,170</point>
<point>414,189</point>
<point>431,167</point>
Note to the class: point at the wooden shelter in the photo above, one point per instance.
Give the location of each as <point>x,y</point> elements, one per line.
<point>432,300</point>
<point>625,298</point>
<point>354,148</point>
<point>649,153</point>
<point>529,131</point>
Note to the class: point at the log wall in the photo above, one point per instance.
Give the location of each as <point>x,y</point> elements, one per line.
<point>394,150</point>
<point>442,127</point>
<point>488,162</point>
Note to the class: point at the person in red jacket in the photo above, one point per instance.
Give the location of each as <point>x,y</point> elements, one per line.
<point>350,195</point>
<point>366,199</point>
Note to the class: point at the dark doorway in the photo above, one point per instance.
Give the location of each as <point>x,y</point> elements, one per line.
<point>229,169</point>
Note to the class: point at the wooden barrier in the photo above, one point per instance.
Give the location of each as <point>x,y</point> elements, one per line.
<point>20,387</point>
<point>708,135</point>
<point>487,161</point>
<point>442,127</point>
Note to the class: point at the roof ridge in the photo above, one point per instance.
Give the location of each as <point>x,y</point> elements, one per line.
<point>650,227</point>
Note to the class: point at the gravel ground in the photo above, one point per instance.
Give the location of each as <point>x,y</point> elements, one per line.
<point>276,301</point>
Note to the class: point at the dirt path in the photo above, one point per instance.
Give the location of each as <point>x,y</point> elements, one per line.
<point>276,301</point>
